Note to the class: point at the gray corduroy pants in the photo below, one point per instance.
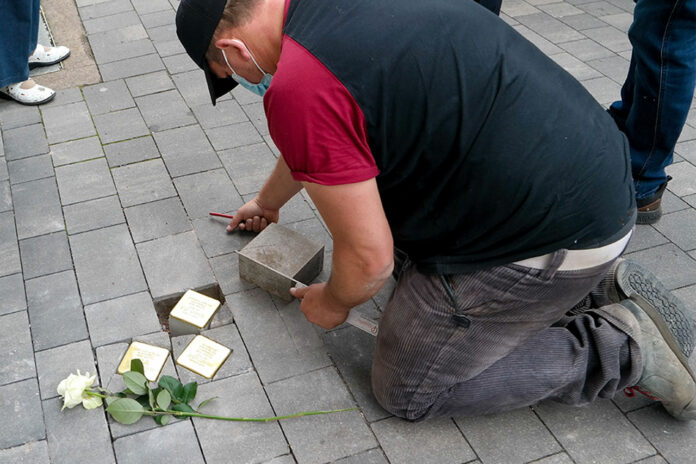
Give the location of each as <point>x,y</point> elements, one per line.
<point>513,347</point>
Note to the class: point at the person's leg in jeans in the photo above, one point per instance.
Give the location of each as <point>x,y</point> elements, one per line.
<point>510,355</point>
<point>18,32</point>
<point>656,96</point>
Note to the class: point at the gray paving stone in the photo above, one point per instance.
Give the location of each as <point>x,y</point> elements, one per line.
<point>687,295</point>
<point>22,398</point>
<point>626,404</point>
<point>215,240</point>
<point>687,150</point>
<point>3,165</point>
<point>120,125</point>
<point>541,43</point>
<point>244,97</point>
<point>235,135</point>
<point>84,181</point>
<point>106,264</point>
<point>673,439</point>
<point>131,67</point>
<point>143,182</point>
<point>121,44</point>
<point>65,96</point>
<point>583,21</point>
<point>614,67</point>
<point>174,444</point>
<point>600,8</point>
<point>158,18</point>
<point>63,429</point>
<point>574,428</point>
<point>9,249</point>
<point>374,456</point>
<point>5,196</point>
<point>295,210</point>
<point>35,452</point>
<point>226,270</point>
<point>13,296</point>
<point>653,460</point>
<point>93,214</point>
<point>280,341</point>
<point>560,458</point>
<point>240,396</point>
<point>238,362</point>
<point>679,228</point>
<point>108,96</point>
<point>437,441</point>
<point>610,37</point>
<point>622,21</point>
<point>587,50</point>
<point>186,150</point>
<point>174,264</point>
<point>352,351</point>
<point>248,166</point>
<point>24,142</point>
<point>179,63</point>
<point>271,145</point>
<point>670,264</point>
<point>27,169</point>
<point>56,364</point>
<point>169,48</point>
<point>223,114</point>
<point>207,191</point>
<point>512,437</point>
<point>192,86</point>
<point>684,179</point>
<point>603,89</point>
<point>76,150</point>
<point>55,310</point>
<point>131,151</point>
<point>514,8</point>
<point>157,219</point>
<point>149,83</point>
<point>105,9</point>
<point>37,208</point>
<point>550,28</point>
<point>165,110</point>
<point>68,122</point>
<point>17,358</point>
<point>45,254</point>
<point>149,6</point>
<point>314,230</point>
<point>644,236</point>
<point>575,67</point>
<point>121,319</point>
<point>109,23</point>
<point>320,438</point>
<point>13,115</point>
<point>560,10</point>
<point>257,116</point>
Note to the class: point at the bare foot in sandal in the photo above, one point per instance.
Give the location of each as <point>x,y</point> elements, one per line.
<point>28,93</point>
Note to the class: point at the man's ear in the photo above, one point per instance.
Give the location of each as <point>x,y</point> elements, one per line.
<point>232,46</point>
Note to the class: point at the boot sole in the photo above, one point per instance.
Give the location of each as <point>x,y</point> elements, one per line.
<point>633,279</point>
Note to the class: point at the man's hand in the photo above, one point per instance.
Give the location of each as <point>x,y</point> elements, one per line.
<point>319,307</point>
<point>253,217</point>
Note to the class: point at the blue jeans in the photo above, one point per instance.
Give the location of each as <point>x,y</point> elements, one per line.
<point>19,30</point>
<point>656,96</point>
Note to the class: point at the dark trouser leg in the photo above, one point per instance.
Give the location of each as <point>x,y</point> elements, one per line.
<point>18,31</point>
<point>510,356</point>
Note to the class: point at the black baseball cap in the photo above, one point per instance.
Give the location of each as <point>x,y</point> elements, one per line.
<point>196,21</point>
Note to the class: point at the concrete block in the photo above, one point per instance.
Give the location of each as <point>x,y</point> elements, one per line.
<point>65,96</point>
<point>215,240</point>
<point>614,67</point>
<point>240,396</point>
<point>35,452</point>
<point>249,166</point>
<point>22,398</point>
<point>169,48</point>
<point>9,249</point>
<point>150,83</point>
<point>179,64</point>
<point>13,296</point>
<point>108,96</point>
<point>4,175</point>
<point>279,256</point>
<point>84,181</point>
<point>223,114</point>
<point>575,428</point>
<point>374,456</point>
<point>679,228</point>
<point>563,458</point>
<point>314,230</point>
<point>131,151</point>
<point>244,97</point>
<point>192,86</point>
<point>226,270</point>
<point>121,319</point>
<point>515,436</point>
<point>174,444</point>
<point>560,10</point>
<point>131,67</point>
<point>76,435</point>
<point>17,356</point>
<point>673,439</point>
<point>165,110</point>
<point>235,135</point>
<point>37,208</point>
<point>670,264</point>
<point>149,6</point>
<point>158,18</point>
<point>68,122</point>
<point>319,439</point>
<point>93,214</point>
<point>143,182</point>
<point>27,169</point>
<point>45,254</point>
<point>600,8</point>
<point>157,219</point>
<point>186,150</point>
<point>582,22</point>
<point>121,44</point>
<point>76,150</point>
<point>575,67</point>
<point>55,310</point>
<point>13,116</point>
<point>610,37</point>
<point>56,364</point>
<point>5,196</point>
<point>684,182</point>
<point>550,28</point>
<point>106,264</point>
<point>207,191</point>
<point>120,125</point>
<point>105,9</point>
<point>24,142</point>
<point>111,22</point>
<point>257,116</point>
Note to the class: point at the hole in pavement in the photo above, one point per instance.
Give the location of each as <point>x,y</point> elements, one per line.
<point>163,306</point>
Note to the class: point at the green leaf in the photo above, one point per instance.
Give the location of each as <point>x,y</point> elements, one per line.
<point>151,399</point>
<point>125,411</point>
<point>163,399</point>
<point>137,366</point>
<point>110,399</point>
<point>173,386</point>
<point>190,390</point>
<point>203,403</point>
<point>144,401</point>
<point>136,382</point>
<point>163,419</point>
<point>182,407</point>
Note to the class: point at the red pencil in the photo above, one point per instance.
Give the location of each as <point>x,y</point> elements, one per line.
<point>222,215</point>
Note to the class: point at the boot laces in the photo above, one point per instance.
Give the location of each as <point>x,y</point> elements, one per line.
<point>631,392</point>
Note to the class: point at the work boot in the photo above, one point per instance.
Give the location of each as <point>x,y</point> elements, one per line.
<point>627,279</point>
<point>650,208</point>
<point>666,375</point>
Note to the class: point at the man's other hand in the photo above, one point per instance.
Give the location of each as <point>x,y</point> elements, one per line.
<point>319,307</point>
<point>253,217</point>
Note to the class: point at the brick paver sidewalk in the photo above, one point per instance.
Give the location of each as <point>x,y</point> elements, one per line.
<point>104,195</point>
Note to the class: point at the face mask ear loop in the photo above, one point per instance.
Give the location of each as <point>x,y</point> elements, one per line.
<point>252,57</point>
<point>234,74</point>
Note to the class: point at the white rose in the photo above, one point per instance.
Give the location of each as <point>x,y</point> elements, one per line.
<point>73,389</point>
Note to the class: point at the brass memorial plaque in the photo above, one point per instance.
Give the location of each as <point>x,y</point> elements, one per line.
<point>153,358</point>
<point>203,356</point>
<point>192,314</point>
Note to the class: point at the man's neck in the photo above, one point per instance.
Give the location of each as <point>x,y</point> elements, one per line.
<point>264,33</point>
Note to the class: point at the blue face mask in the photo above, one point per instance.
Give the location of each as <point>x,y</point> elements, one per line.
<point>260,88</point>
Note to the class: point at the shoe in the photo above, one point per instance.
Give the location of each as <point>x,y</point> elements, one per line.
<point>35,95</point>
<point>650,208</point>
<point>666,375</point>
<point>47,56</point>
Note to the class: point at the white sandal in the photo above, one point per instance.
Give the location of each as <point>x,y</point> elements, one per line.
<point>46,56</point>
<point>33,96</point>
